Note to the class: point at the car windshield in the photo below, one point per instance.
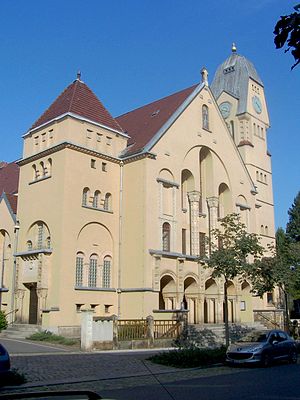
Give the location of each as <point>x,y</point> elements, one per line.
<point>254,337</point>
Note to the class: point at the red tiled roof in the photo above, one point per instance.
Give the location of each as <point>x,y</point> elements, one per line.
<point>9,178</point>
<point>13,201</point>
<point>144,122</point>
<point>78,98</point>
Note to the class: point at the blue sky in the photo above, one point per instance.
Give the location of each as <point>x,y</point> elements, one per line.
<point>132,52</point>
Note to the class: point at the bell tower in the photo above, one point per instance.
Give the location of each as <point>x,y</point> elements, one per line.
<point>239,92</point>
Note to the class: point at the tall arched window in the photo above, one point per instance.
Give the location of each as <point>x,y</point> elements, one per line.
<point>205,117</point>
<point>49,167</point>
<point>106,275</point>
<point>166,233</point>
<point>79,269</point>
<point>85,195</point>
<point>107,202</point>
<point>93,266</point>
<point>35,174</point>
<point>40,236</point>
<point>43,169</point>
<point>96,199</point>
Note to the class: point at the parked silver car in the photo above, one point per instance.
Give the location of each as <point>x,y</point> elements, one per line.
<point>263,347</point>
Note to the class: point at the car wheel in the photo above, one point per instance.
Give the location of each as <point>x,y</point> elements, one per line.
<point>266,360</point>
<point>293,357</point>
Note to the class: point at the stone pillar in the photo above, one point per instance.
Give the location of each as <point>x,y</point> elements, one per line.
<point>200,310</point>
<point>20,293</point>
<point>115,332</point>
<point>86,330</point>
<point>219,310</point>
<point>180,280</point>
<point>194,198</point>
<point>213,203</point>
<point>150,330</point>
<point>42,295</point>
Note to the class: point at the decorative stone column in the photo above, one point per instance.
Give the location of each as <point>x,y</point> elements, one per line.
<point>42,296</point>
<point>180,281</point>
<point>194,198</point>
<point>213,204</point>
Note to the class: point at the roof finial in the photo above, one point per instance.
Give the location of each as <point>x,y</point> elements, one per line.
<point>233,48</point>
<point>204,75</point>
<point>78,75</point>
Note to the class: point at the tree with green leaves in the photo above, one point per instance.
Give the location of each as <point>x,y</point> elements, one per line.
<point>287,31</point>
<point>278,270</point>
<point>293,225</point>
<point>233,251</point>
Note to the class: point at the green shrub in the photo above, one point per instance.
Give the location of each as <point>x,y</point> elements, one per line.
<point>47,336</point>
<point>3,321</point>
<point>12,378</point>
<point>190,358</point>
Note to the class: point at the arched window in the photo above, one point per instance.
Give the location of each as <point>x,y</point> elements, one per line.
<point>43,169</point>
<point>93,266</point>
<point>96,199</point>
<point>166,236</point>
<point>107,202</point>
<point>79,269</point>
<point>106,275</point>
<point>49,167</point>
<point>85,195</point>
<point>205,117</point>
<point>40,236</point>
<point>35,174</point>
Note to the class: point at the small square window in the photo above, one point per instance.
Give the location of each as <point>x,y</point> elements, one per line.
<point>93,163</point>
<point>243,306</point>
<point>89,134</point>
<point>104,166</point>
<point>78,307</point>
<point>107,308</point>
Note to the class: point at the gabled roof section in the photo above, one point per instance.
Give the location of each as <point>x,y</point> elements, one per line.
<point>78,99</point>
<point>9,178</point>
<point>11,203</point>
<point>143,123</point>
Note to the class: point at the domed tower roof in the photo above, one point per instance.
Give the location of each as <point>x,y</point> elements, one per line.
<point>233,77</point>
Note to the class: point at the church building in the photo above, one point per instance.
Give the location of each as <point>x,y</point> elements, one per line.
<point>112,213</point>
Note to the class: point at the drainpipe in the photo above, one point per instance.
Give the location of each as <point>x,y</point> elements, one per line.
<point>13,286</point>
<point>120,238</point>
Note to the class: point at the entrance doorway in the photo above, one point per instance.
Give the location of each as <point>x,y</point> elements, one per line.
<point>33,303</point>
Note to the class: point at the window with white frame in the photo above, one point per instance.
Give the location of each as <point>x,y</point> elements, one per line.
<point>205,117</point>
<point>79,270</point>
<point>166,236</point>
<point>92,277</point>
<point>85,195</point>
<point>107,202</point>
<point>106,272</point>
<point>40,236</point>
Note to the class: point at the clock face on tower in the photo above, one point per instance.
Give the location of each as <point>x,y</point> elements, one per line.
<point>257,104</point>
<point>225,108</point>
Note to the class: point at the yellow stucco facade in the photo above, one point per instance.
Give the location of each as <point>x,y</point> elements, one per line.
<point>119,232</point>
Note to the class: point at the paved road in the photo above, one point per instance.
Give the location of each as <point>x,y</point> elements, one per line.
<point>128,375</point>
<point>20,346</point>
